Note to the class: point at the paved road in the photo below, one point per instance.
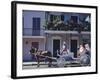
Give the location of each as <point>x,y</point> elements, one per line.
<point>45,65</point>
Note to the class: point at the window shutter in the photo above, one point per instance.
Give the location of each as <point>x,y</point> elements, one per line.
<point>51,17</point>
<point>62,17</point>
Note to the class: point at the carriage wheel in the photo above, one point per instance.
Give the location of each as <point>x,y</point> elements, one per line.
<point>61,62</point>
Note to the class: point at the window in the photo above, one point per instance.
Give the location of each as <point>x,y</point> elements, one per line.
<point>62,17</point>
<point>74,19</point>
<point>56,17</point>
<point>36,26</point>
<point>51,18</point>
<point>35,44</point>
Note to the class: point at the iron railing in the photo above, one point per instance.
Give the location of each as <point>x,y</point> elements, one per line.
<point>30,32</point>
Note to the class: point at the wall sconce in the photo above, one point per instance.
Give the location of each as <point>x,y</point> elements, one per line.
<point>26,42</point>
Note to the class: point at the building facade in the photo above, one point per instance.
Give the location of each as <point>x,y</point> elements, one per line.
<point>48,30</point>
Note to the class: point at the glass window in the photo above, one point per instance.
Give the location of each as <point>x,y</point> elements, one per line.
<point>36,26</point>
<point>56,17</point>
<point>62,17</point>
<point>35,44</point>
<point>74,19</point>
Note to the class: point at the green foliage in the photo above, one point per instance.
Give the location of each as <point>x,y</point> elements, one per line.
<point>65,26</point>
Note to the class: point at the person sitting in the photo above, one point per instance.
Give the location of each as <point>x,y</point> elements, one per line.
<point>64,48</point>
<point>88,50</point>
<point>83,56</point>
<point>65,53</point>
<point>81,51</point>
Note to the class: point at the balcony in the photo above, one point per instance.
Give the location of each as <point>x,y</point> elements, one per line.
<point>30,32</point>
<point>68,26</point>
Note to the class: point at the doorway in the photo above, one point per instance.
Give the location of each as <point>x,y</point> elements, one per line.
<point>56,46</point>
<point>74,47</point>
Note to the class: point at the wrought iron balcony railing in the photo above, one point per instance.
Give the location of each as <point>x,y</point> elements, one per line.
<point>68,27</point>
<point>30,32</point>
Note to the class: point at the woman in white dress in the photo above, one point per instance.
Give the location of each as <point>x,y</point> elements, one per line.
<point>65,53</point>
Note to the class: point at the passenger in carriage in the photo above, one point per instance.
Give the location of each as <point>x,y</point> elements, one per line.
<point>64,48</point>
<point>81,51</point>
<point>83,55</point>
<point>65,53</point>
<point>88,50</point>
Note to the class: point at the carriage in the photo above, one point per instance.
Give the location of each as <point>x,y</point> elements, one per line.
<point>61,60</point>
